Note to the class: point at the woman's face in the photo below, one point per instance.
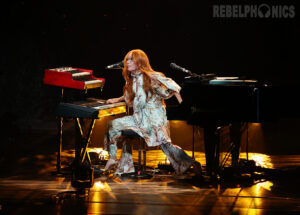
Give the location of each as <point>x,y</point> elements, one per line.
<point>131,66</point>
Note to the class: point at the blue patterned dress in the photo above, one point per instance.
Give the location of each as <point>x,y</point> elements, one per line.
<point>149,120</point>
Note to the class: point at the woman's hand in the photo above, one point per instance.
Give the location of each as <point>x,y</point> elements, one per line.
<point>111,101</point>
<point>178,97</point>
<point>115,100</point>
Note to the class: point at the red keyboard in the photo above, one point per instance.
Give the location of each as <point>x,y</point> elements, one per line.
<point>70,77</point>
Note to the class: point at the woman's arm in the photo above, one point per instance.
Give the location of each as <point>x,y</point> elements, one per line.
<point>115,100</point>
<point>165,87</point>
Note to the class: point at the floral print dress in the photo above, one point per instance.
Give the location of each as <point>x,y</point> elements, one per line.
<point>149,120</point>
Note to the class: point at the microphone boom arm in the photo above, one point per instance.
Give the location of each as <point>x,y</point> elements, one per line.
<point>204,76</point>
<point>175,66</point>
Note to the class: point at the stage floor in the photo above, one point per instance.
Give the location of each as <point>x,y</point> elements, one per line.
<point>160,195</point>
<point>165,193</point>
<point>29,185</point>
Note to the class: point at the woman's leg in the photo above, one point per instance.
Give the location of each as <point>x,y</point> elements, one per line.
<point>112,137</point>
<point>126,162</point>
<point>177,157</point>
<point>110,142</point>
<point>112,157</point>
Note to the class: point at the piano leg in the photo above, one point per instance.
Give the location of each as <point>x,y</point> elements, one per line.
<point>235,137</point>
<point>211,142</point>
<point>60,131</point>
<point>79,124</point>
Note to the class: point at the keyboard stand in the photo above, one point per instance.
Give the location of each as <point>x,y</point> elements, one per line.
<point>82,170</point>
<point>80,145</point>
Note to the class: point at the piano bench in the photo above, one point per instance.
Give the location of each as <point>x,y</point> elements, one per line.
<point>142,149</point>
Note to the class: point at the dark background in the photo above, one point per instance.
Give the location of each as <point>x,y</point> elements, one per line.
<point>93,34</point>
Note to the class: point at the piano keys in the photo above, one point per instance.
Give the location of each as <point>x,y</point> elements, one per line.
<point>91,108</point>
<point>75,78</point>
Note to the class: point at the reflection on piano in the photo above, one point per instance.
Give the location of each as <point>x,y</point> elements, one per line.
<point>70,77</point>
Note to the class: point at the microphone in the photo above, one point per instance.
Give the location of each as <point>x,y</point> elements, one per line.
<point>115,65</point>
<point>175,66</point>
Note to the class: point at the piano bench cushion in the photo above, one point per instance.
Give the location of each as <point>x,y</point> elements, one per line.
<point>130,134</point>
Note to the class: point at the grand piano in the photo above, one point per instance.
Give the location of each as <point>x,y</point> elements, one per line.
<point>213,102</point>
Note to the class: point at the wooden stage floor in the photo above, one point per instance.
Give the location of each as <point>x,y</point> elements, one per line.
<point>28,186</point>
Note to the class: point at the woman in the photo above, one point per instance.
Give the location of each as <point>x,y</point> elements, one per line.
<point>145,90</point>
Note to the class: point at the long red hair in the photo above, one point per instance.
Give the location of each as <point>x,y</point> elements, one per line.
<point>143,65</point>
